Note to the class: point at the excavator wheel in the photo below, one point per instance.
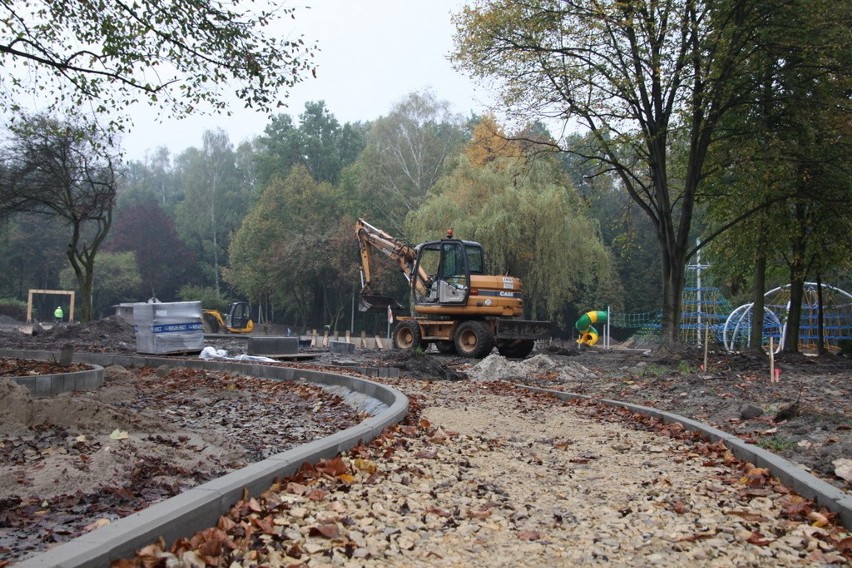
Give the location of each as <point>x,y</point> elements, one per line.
<point>445,347</point>
<point>406,335</point>
<point>473,339</point>
<point>516,349</point>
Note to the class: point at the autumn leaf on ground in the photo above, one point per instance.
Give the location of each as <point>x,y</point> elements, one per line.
<point>818,519</point>
<point>368,466</point>
<point>119,434</point>
<point>758,539</point>
<point>756,477</point>
<point>327,530</point>
<point>749,516</point>
<point>317,494</point>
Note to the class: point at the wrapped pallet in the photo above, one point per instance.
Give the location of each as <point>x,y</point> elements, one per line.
<point>168,327</point>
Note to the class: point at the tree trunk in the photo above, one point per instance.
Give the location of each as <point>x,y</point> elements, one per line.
<point>820,318</point>
<point>673,267</point>
<point>796,262</point>
<point>758,289</point>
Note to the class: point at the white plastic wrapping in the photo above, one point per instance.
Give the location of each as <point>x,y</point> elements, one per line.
<point>168,327</point>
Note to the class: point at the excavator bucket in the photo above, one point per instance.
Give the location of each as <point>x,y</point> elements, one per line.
<point>377,303</point>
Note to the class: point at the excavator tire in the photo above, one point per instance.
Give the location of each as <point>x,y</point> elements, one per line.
<point>516,349</point>
<point>474,339</point>
<point>406,335</point>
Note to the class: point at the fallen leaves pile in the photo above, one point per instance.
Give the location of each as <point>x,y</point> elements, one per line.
<point>488,474</point>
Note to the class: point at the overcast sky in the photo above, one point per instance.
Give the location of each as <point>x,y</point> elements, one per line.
<point>373,54</point>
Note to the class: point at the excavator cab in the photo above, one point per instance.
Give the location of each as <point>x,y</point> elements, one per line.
<point>238,316</point>
<point>448,264</point>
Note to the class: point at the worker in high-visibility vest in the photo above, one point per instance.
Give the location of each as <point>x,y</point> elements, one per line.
<point>58,314</point>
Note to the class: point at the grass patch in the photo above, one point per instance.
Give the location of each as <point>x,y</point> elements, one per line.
<point>777,444</point>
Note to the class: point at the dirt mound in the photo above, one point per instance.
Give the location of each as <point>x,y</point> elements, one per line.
<point>6,320</point>
<point>112,334</point>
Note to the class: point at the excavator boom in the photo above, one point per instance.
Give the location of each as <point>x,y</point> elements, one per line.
<point>370,238</point>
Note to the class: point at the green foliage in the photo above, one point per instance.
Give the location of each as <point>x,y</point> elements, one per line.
<point>32,252</point>
<point>216,197</point>
<point>406,153</point>
<point>294,252</point>
<point>787,156</point>
<point>13,308</point>
<point>117,279</point>
<point>209,297</point>
<point>777,444</point>
<point>178,56</point>
<point>319,143</point>
<point>532,226</point>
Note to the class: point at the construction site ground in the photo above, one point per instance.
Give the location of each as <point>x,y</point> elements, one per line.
<point>518,460</point>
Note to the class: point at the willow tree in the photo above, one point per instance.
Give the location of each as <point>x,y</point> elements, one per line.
<point>532,223</point>
<point>641,75</point>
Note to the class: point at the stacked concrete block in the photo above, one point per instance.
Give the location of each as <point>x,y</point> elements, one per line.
<point>168,327</point>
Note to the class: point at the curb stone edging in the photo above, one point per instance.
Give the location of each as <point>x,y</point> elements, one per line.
<point>43,386</point>
<point>793,477</point>
<point>201,506</point>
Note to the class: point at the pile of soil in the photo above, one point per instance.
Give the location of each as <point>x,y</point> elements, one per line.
<point>108,335</point>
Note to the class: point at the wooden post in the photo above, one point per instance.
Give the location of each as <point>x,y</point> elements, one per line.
<point>771,361</point>
<point>706,342</point>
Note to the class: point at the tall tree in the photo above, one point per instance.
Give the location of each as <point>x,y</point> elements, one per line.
<point>406,154</point>
<point>287,251</point>
<point>792,140</point>
<point>66,171</point>
<point>215,201</point>
<point>318,142</point>
<point>163,261</point>
<point>181,56</point>
<point>642,76</point>
<point>154,177</point>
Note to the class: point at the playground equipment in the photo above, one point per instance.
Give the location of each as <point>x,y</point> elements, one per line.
<point>837,319</point>
<point>588,334</point>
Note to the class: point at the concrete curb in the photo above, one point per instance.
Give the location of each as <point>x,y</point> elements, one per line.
<point>201,507</point>
<point>793,477</point>
<point>56,383</point>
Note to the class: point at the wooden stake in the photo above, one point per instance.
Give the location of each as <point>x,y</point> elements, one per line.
<point>706,342</point>
<point>771,361</point>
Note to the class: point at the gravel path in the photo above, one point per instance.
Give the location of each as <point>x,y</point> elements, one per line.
<point>486,474</point>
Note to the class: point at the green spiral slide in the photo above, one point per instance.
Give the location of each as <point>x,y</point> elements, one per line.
<point>588,334</point>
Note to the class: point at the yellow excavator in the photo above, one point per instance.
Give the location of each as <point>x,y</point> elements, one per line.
<point>237,320</point>
<point>455,304</point>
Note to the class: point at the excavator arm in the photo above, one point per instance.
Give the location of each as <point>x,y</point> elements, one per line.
<point>371,238</point>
